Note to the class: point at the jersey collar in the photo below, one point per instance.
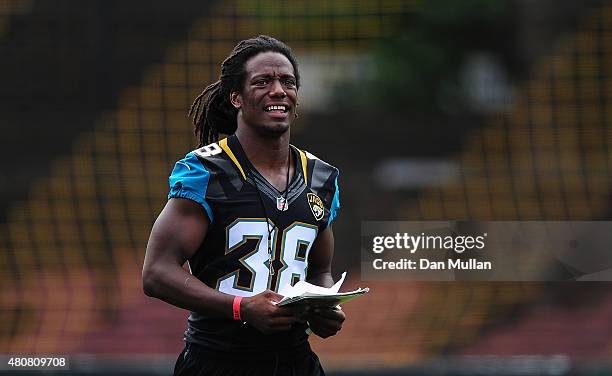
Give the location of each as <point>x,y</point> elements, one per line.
<point>234,150</point>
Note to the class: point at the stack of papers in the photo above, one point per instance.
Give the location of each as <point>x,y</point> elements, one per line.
<point>317,296</point>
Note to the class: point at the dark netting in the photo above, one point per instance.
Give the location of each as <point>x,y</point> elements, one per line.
<point>73,240</point>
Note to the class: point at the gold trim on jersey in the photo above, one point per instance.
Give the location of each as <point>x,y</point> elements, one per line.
<point>295,257</point>
<point>236,273</point>
<point>304,160</point>
<point>230,153</point>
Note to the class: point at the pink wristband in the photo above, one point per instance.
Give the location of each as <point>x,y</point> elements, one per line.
<point>236,307</point>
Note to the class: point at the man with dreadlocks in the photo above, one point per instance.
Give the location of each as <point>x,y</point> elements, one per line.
<point>252,215</point>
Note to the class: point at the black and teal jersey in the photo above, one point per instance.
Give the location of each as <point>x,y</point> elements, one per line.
<point>234,256</point>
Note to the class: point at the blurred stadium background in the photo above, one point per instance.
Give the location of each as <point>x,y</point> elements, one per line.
<point>437,109</point>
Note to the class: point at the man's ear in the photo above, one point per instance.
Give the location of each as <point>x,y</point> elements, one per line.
<point>236,99</point>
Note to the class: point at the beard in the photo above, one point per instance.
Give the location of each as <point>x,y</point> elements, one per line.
<point>272,130</point>
<point>264,126</point>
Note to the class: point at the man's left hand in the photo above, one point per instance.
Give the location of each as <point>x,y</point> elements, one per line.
<point>326,321</point>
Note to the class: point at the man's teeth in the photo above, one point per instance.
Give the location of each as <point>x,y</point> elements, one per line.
<point>276,108</point>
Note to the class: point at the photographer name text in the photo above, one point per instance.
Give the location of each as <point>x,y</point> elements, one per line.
<point>425,264</point>
<point>413,243</point>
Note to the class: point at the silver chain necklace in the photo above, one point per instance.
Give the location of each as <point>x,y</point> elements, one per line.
<point>280,201</point>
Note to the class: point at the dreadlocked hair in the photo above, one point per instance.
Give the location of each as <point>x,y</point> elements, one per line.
<point>212,112</point>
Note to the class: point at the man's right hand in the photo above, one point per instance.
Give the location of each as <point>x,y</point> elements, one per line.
<point>261,312</point>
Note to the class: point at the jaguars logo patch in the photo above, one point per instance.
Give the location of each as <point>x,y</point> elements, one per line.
<point>316,205</point>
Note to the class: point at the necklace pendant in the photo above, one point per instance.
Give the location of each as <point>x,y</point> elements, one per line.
<point>270,265</point>
<point>282,204</point>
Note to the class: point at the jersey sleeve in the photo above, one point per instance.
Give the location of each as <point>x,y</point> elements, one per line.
<point>189,179</point>
<point>335,204</point>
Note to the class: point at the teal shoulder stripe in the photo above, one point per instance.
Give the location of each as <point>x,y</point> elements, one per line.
<point>189,179</point>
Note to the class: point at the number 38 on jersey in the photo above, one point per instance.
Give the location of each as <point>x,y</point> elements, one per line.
<point>296,242</point>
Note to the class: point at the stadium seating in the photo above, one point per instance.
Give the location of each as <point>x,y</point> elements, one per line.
<point>72,249</point>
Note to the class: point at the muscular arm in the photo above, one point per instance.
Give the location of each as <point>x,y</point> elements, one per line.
<point>177,234</point>
<point>320,260</point>
<point>324,322</point>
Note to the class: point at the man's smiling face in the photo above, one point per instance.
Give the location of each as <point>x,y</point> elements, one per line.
<point>269,96</point>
